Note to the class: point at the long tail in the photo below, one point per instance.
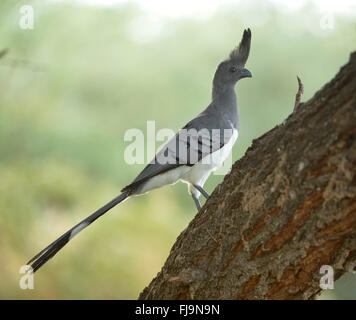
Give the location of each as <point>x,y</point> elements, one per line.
<point>47,253</point>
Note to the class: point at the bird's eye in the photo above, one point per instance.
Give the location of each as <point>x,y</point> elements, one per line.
<point>233,69</point>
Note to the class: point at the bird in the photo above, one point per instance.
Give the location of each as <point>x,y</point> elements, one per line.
<point>190,156</point>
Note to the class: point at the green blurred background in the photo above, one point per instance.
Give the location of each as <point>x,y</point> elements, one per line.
<point>85,74</point>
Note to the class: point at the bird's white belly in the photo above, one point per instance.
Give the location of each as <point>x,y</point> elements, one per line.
<point>163,179</point>
<point>196,174</point>
<point>201,170</point>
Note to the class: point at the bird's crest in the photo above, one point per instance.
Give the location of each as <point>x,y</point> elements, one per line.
<point>240,53</point>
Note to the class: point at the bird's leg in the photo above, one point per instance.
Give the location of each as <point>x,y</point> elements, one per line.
<point>196,201</point>
<point>202,191</point>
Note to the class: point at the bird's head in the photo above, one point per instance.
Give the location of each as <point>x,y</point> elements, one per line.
<point>233,69</point>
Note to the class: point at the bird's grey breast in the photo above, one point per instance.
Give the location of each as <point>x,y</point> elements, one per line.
<point>224,109</point>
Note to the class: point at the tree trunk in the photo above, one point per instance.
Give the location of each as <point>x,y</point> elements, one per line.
<point>287,208</point>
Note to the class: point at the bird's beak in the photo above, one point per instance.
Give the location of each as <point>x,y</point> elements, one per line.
<point>245,74</point>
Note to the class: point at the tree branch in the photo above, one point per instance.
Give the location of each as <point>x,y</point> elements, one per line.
<point>22,63</point>
<point>299,94</point>
<point>287,208</point>
<point>3,53</point>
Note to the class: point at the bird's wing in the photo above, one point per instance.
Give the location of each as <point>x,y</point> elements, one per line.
<point>191,144</point>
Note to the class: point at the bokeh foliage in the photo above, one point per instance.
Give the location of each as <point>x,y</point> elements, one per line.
<point>87,75</point>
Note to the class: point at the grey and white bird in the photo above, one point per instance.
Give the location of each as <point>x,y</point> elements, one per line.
<point>191,155</point>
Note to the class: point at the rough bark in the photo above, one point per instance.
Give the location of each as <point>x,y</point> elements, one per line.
<point>287,208</point>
